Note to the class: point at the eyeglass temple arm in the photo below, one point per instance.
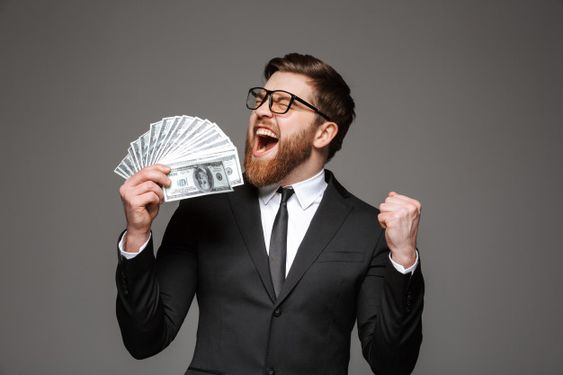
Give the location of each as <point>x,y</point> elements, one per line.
<point>310,106</point>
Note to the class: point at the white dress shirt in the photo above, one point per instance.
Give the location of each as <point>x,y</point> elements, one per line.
<point>301,208</point>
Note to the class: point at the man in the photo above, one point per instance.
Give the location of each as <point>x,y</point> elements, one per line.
<point>281,275</point>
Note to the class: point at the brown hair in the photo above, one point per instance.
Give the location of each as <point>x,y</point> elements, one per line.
<point>332,93</point>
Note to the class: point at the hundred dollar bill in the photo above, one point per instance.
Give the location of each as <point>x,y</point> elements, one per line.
<point>170,126</point>
<point>194,126</point>
<point>126,166</point>
<point>190,180</point>
<point>232,166</point>
<point>179,130</point>
<point>154,134</point>
<point>229,158</point>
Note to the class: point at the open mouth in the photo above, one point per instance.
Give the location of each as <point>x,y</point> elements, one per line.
<point>265,141</point>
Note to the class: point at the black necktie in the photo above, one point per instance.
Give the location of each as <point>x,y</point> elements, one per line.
<point>278,242</point>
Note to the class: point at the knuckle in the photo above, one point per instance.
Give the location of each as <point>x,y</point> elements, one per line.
<point>126,197</point>
<point>145,174</point>
<point>155,198</point>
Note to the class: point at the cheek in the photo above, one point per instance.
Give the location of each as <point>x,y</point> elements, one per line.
<point>290,129</point>
<point>249,129</point>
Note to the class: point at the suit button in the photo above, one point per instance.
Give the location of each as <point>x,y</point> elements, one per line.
<point>270,371</point>
<point>277,312</point>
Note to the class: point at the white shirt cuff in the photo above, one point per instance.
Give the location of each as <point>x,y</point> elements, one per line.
<point>401,269</point>
<point>131,255</point>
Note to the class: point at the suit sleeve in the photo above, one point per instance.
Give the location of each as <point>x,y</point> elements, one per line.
<point>154,295</point>
<point>390,314</point>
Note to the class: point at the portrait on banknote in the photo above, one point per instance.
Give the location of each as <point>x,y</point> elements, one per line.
<point>203,179</point>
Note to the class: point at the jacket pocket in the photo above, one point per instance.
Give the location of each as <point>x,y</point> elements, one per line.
<point>341,256</point>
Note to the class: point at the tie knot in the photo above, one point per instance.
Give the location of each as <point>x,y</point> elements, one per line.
<point>286,193</point>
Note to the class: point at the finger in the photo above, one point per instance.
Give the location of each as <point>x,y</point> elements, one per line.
<point>385,219</point>
<point>164,168</point>
<point>404,200</point>
<point>395,197</point>
<point>153,173</point>
<point>399,203</point>
<point>398,198</point>
<point>381,219</point>
<point>146,199</point>
<point>391,207</point>
<point>149,186</point>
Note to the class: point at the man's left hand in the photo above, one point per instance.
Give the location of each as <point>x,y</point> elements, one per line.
<point>399,217</point>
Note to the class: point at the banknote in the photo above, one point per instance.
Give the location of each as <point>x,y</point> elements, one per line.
<point>183,142</point>
<point>199,130</point>
<point>126,166</point>
<point>229,159</point>
<point>192,180</point>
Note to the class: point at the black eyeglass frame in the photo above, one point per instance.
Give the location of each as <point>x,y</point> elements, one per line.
<point>294,97</point>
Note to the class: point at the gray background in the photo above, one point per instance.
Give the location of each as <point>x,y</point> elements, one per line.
<point>459,104</point>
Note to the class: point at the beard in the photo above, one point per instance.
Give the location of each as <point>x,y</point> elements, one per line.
<point>291,153</point>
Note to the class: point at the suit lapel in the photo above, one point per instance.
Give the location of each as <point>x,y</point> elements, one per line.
<point>329,217</point>
<point>246,210</point>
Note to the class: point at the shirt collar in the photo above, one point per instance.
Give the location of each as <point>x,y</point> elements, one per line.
<point>306,191</point>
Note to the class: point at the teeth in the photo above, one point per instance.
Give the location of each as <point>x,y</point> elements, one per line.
<point>266,132</point>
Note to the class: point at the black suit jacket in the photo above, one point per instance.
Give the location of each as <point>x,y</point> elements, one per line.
<point>214,247</point>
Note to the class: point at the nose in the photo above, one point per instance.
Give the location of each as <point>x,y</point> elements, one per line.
<point>264,109</point>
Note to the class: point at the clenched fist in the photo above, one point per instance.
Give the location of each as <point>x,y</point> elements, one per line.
<point>399,216</point>
<point>142,196</point>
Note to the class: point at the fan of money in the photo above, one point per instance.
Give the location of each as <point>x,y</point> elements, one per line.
<point>202,158</point>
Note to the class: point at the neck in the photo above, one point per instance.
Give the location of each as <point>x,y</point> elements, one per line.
<point>305,170</point>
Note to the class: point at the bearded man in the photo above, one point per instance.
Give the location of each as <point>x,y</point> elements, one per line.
<point>285,265</point>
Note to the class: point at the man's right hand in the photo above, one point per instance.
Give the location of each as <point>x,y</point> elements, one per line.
<point>142,196</point>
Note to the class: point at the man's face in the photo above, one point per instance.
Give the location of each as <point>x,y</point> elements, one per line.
<point>277,143</point>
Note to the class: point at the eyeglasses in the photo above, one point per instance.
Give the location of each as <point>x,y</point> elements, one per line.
<point>280,101</point>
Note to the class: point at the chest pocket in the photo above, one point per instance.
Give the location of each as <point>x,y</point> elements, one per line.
<point>341,256</point>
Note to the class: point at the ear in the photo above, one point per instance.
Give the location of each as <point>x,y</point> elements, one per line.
<point>325,134</point>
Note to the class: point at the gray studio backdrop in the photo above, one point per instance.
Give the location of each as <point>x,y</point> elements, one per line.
<point>460,104</point>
